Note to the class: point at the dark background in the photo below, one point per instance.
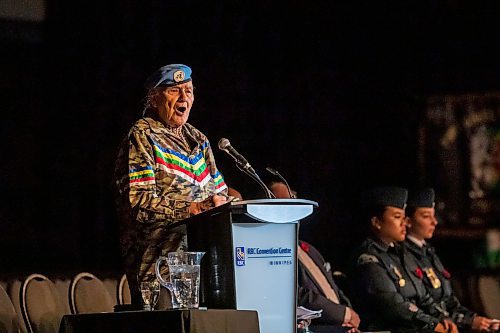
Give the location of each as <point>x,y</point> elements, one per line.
<point>330,94</point>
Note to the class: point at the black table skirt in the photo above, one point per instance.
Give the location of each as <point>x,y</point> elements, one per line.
<point>169,321</point>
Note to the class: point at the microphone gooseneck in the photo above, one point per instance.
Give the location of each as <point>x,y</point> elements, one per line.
<point>243,165</point>
<point>276,173</point>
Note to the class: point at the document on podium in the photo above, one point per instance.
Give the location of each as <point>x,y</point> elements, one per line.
<point>304,313</point>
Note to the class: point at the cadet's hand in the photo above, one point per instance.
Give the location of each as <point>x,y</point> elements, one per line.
<point>480,323</point>
<point>494,325</point>
<point>446,326</point>
<point>453,327</point>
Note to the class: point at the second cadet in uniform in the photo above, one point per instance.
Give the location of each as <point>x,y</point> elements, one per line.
<point>421,225</point>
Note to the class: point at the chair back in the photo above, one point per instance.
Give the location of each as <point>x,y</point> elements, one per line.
<point>41,307</point>
<point>14,290</point>
<point>489,293</point>
<point>111,285</point>
<point>123,291</point>
<point>62,286</point>
<point>87,294</point>
<point>8,316</point>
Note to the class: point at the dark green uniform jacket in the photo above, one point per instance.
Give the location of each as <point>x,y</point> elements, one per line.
<point>389,294</point>
<point>437,282</point>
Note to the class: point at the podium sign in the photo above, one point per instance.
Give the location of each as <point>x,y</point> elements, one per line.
<point>265,276</point>
<point>251,258</point>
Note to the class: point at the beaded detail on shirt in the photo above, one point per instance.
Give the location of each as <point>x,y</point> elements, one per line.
<point>177,132</point>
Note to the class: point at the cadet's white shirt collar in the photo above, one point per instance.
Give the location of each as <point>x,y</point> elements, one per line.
<point>419,242</point>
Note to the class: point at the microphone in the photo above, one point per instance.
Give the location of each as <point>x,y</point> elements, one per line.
<point>276,173</point>
<point>243,165</point>
<point>225,145</point>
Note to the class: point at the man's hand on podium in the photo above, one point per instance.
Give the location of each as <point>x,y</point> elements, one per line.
<point>219,199</point>
<point>197,207</point>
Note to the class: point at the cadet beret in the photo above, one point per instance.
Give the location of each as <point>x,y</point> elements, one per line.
<point>421,198</point>
<point>386,196</point>
<point>169,75</point>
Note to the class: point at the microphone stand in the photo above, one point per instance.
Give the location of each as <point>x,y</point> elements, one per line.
<point>255,177</point>
<point>244,166</point>
<point>276,173</point>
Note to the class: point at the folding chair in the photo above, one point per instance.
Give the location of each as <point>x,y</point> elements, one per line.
<point>41,306</point>
<point>489,294</point>
<point>123,291</point>
<point>87,294</point>
<point>9,322</point>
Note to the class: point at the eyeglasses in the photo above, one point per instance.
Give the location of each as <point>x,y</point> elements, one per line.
<point>176,91</point>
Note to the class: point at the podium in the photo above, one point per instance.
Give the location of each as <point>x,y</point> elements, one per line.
<point>251,258</point>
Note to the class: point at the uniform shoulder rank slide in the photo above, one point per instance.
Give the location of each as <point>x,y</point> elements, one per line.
<point>431,275</point>
<point>401,281</point>
<point>366,258</point>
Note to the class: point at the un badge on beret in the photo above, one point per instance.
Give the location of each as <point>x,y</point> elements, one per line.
<point>179,76</point>
<point>366,258</point>
<point>168,75</point>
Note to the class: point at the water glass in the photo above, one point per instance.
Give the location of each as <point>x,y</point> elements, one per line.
<point>150,292</point>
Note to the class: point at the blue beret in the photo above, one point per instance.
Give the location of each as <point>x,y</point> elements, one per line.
<point>386,196</point>
<point>169,75</point>
<point>421,198</point>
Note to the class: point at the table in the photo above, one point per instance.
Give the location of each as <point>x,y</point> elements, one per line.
<point>167,321</point>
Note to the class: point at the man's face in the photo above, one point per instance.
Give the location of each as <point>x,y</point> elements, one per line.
<point>423,223</point>
<point>391,227</point>
<point>174,103</point>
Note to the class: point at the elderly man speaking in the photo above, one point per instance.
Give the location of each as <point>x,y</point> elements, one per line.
<point>165,172</point>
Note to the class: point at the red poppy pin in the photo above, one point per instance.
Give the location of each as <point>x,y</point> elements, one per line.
<point>419,273</point>
<point>446,274</point>
<point>304,246</point>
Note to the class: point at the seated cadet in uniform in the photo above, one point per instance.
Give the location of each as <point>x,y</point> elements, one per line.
<point>388,294</point>
<point>317,289</point>
<point>420,225</point>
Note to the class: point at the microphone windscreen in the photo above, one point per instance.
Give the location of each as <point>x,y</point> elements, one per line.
<point>224,143</point>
